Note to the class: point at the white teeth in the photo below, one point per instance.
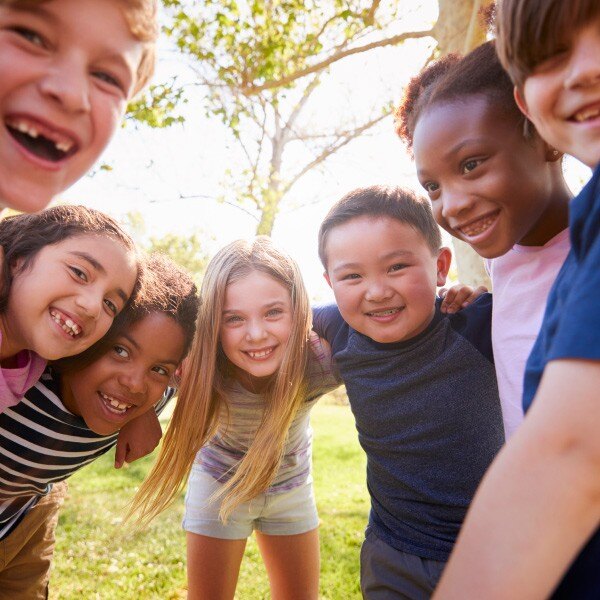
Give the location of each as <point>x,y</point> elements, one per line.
<point>384,313</point>
<point>29,130</point>
<point>478,227</point>
<point>114,403</point>
<point>67,326</point>
<point>64,146</point>
<point>584,115</point>
<point>260,354</point>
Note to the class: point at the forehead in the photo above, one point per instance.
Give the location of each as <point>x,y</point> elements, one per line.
<point>370,238</point>
<point>157,337</point>
<point>445,125</point>
<point>253,289</point>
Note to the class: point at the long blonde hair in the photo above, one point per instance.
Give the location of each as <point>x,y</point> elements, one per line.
<point>202,394</point>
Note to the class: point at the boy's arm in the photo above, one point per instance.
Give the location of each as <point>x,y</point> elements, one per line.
<point>540,501</point>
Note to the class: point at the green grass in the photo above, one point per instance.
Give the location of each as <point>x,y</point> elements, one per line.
<point>96,558</point>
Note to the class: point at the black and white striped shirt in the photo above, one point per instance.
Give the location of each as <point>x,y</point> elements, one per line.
<point>41,442</point>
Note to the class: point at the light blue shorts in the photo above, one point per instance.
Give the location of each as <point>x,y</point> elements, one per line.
<point>286,513</point>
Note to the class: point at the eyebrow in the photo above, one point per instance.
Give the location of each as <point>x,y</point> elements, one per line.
<point>354,265</point>
<point>139,348</point>
<point>268,305</point>
<point>99,267</point>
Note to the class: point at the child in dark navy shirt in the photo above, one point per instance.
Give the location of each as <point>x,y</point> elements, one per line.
<point>421,383</point>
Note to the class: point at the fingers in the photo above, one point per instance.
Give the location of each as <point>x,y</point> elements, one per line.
<point>120,453</point>
<point>460,296</point>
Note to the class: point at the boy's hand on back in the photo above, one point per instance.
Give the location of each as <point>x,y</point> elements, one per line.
<point>459,296</point>
<point>138,438</point>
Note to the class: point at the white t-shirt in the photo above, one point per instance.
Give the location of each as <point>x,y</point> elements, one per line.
<point>521,281</point>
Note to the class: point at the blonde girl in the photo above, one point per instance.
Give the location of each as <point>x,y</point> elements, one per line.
<point>240,429</point>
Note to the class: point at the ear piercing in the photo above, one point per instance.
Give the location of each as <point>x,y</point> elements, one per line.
<point>555,152</point>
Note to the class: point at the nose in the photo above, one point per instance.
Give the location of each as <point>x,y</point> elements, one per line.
<point>584,61</point>
<point>453,204</point>
<point>133,379</point>
<point>255,330</point>
<point>378,290</point>
<point>66,82</point>
<point>89,302</point>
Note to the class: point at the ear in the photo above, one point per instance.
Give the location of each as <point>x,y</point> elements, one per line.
<point>326,275</point>
<point>443,265</point>
<point>520,100</point>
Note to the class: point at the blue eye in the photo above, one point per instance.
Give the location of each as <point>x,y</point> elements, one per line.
<point>274,312</point>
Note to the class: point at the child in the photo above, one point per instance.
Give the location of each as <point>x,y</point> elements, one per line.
<point>496,185</point>
<point>421,384</point>
<point>69,419</point>
<point>67,71</point>
<point>540,501</point>
<point>241,424</point>
<point>67,272</point>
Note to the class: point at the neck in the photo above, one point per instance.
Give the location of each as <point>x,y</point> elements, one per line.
<point>66,395</point>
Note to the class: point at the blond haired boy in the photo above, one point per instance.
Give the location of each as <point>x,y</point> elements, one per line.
<point>67,70</point>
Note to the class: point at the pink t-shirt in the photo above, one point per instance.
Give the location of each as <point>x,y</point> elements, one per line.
<point>16,381</point>
<point>521,280</point>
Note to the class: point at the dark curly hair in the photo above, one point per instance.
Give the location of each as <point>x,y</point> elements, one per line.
<point>23,236</point>
<point>165,288</point>
<point>452,78</point>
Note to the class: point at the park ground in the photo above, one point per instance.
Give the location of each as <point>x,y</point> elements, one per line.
<point>97,557</point>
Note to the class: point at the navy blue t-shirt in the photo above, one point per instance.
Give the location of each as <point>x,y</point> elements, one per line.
<point>428,417</point>
<point>571,330</point>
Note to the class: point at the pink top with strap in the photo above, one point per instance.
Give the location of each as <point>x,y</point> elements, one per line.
<point>14,382</point>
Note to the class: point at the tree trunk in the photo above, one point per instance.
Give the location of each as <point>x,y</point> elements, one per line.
<point>459,29</point>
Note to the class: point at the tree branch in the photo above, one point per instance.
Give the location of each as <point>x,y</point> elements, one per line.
<point>334,147</point>
<point>250,90</point>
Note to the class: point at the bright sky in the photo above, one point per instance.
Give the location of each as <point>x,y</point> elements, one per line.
<point>152,169</point>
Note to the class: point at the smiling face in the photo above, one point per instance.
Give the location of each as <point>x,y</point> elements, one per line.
<point>488,185</point>
<point>67,69</point>
<point>255,327</point>
<point>562,96</point>
<point>130,378</point>
<point>67,298</point>
<point>384,276</point>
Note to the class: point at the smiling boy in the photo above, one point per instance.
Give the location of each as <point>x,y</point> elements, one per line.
<point>533,530</point>
<point>421,384</point>
<point>67,71</point>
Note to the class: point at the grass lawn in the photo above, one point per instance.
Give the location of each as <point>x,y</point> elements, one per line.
<point>96,557</point>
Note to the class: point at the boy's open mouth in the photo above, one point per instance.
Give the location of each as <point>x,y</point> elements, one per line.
<point>385,312</point>
<point>50,146</point>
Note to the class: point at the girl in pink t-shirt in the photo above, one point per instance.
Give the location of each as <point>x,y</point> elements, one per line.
<point>496,185</point>
<point>66,274</point>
